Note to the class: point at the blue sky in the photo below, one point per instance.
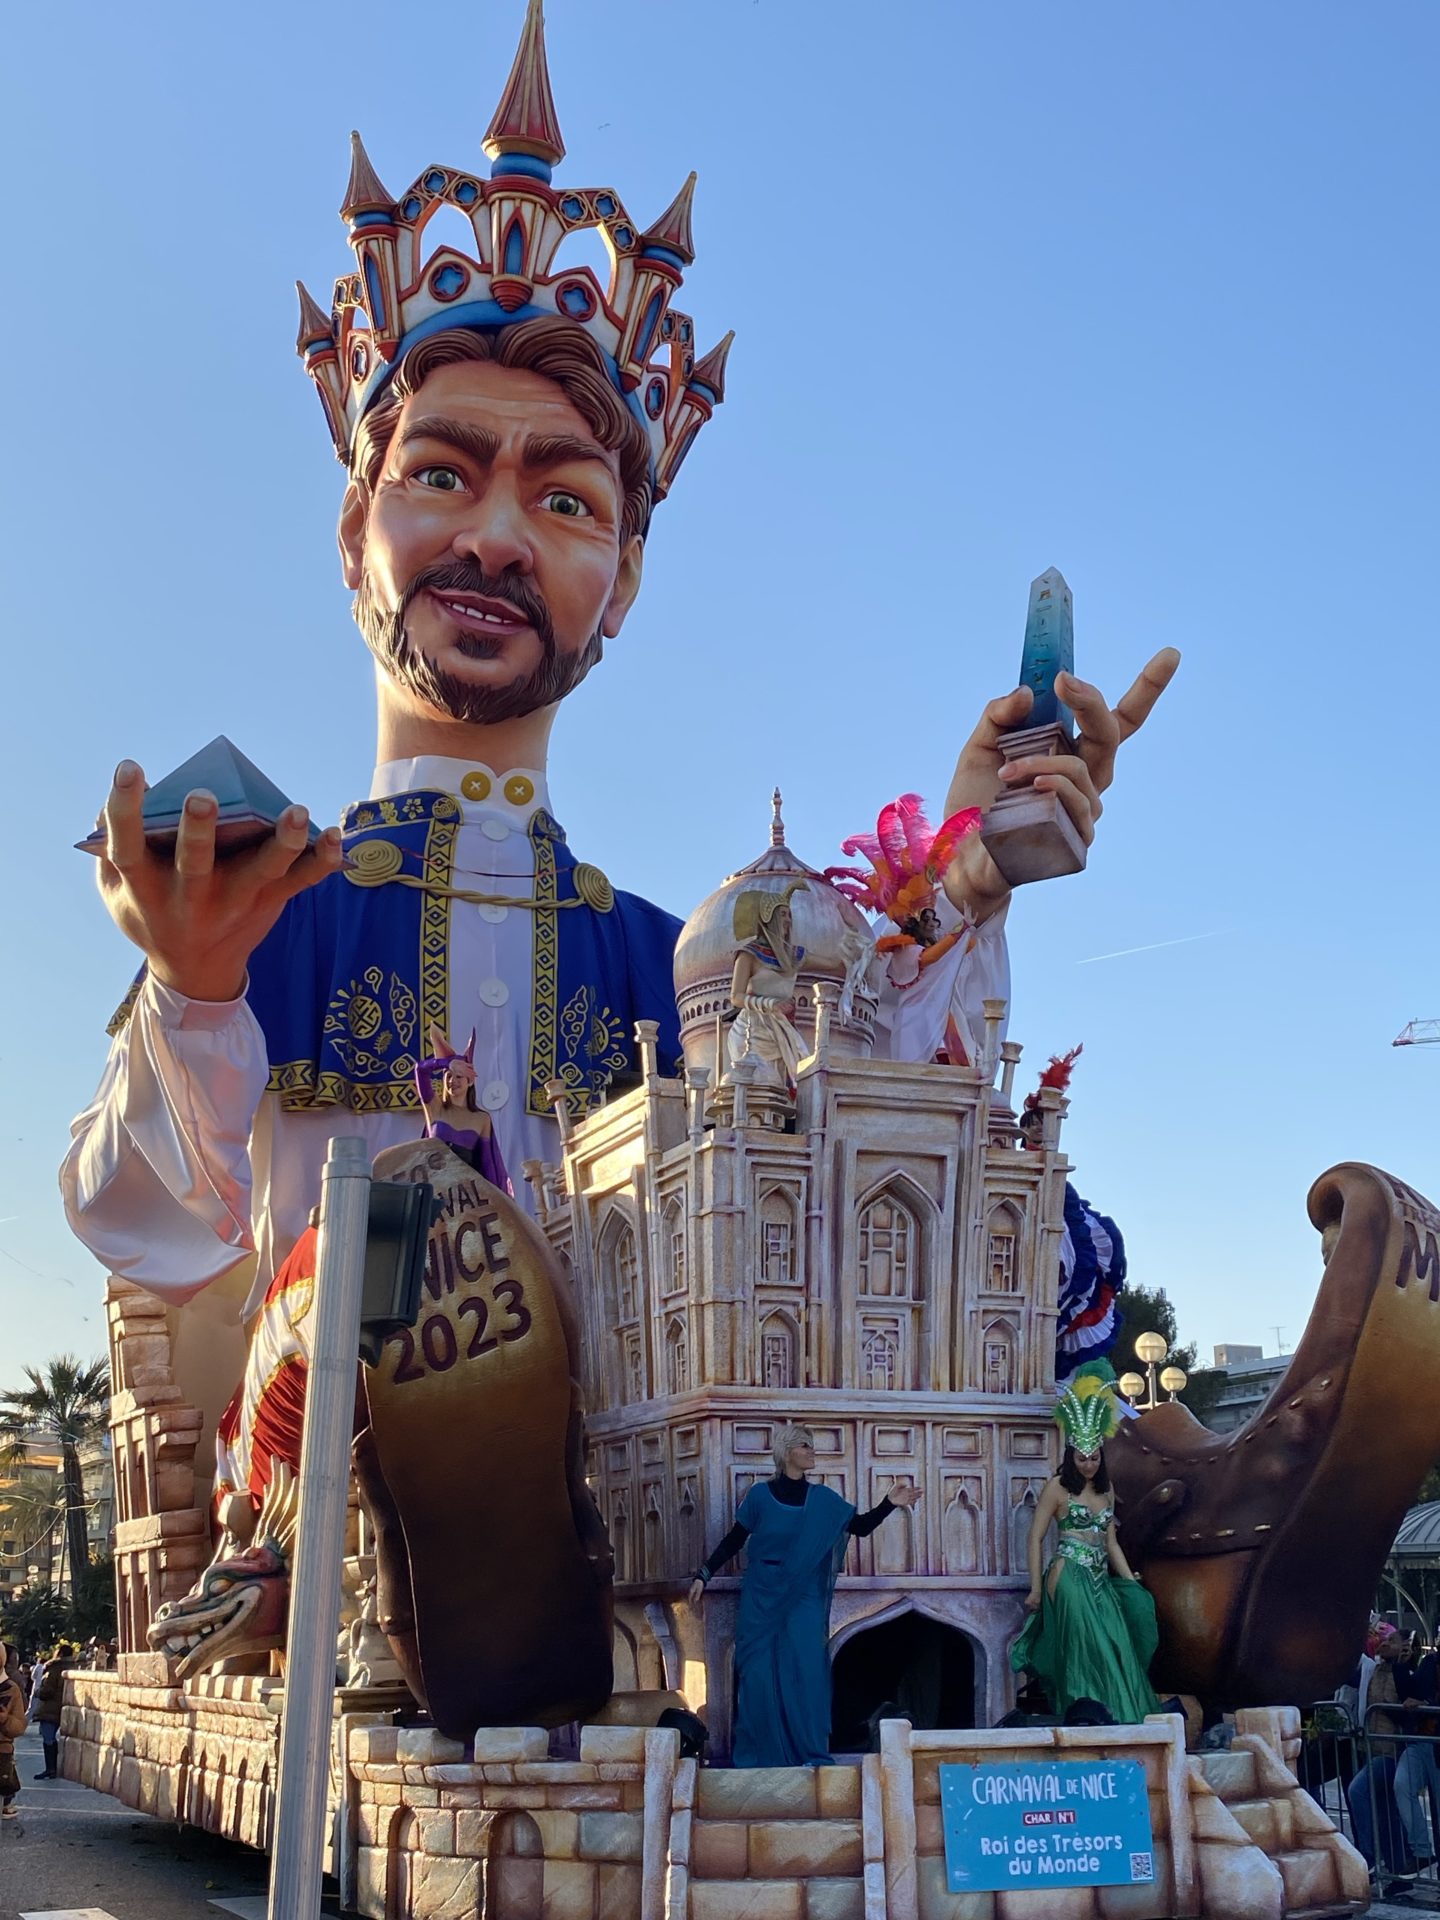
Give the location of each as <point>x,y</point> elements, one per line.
<point>1143,292</point>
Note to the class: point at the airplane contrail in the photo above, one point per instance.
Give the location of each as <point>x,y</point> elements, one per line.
<point>1154,947</point>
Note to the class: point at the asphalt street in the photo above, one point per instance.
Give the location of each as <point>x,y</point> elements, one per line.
<point>74,1851</point>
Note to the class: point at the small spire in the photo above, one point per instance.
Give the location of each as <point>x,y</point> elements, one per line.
<point>777,824</point>
<point>314,321</point>
<point>710,372</point>
<point>672,229</point>
<point>366,192</point>
<point>525,119</point>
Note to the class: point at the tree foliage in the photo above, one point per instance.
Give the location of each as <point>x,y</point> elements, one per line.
<point>71,1400</point>
<point>33,1620</point>
<point>92,1602</point>
<point>1151,1310</point>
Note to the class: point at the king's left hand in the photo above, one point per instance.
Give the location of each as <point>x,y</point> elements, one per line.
<point>904,1496</point>
<point>973,881</point>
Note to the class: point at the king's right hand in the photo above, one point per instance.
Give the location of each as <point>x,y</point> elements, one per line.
<point>198,920</point>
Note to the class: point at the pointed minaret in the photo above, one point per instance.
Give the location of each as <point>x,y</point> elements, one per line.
<point>315,343</point>
<point>703,392</point>
<point>366,192</point>
<point>710,372</point>
<point>525,124</point>
<point>666,249</point>
<point>524,145</point>
<point>315,327</point>
<point>671,232</point>
<point>370,213</point>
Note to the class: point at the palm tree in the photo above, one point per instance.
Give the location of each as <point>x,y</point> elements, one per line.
<point>72,1402</point>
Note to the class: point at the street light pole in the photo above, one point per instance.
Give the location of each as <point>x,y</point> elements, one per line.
<point>298,1853</point>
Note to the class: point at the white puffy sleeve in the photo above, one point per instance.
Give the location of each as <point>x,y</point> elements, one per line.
<point>945,1003</point>
<point>157,1180</point>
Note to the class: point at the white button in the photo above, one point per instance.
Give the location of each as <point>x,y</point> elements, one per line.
<point>494,829</point>
<point>494,1094</point>
<point>489,912</point>
<point>494,992</point>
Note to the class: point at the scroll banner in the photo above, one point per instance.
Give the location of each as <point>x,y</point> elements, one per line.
<point>1046,1823</point>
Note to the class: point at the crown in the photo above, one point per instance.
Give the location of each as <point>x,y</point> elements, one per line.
<point>399,294</point>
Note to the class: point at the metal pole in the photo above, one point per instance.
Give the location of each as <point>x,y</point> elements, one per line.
<point>298,1854</point>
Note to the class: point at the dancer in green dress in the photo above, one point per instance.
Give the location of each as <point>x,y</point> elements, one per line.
<point>1091,1634</point>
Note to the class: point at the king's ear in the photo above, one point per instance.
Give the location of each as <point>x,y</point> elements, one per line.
<point>627,585</point>
<point>350,534</point>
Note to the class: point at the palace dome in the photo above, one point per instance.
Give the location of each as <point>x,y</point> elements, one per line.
<point>833,933</point>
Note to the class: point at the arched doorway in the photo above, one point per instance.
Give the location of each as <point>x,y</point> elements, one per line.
<point>908,1667</point>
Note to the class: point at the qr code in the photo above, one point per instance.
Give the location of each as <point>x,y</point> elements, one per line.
<point>1142,1867</point>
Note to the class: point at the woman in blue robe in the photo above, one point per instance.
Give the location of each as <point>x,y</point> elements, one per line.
<point>797,1532</point>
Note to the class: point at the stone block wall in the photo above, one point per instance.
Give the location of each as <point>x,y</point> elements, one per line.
<point>785,1841</point>
<point>504,1828</point>
<point>431,1830</point>
<point>206,1755</point>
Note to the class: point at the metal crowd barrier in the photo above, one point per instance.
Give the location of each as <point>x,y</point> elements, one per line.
<point>1390,1766</point>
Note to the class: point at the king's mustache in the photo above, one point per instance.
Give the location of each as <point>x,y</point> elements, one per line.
<point>468,576</point>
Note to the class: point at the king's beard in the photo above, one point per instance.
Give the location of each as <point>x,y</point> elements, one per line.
<point>557,674</point>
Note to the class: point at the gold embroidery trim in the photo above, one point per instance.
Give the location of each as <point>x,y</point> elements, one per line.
<point>546,1002</point>
<point>301,1085</point>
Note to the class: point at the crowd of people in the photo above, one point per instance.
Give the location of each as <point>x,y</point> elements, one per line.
<point>1395,1695</point>
<point>35,1693</point>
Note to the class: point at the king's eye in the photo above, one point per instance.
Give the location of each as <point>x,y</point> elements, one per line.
<point>442,479</point>
<point>569,505</point>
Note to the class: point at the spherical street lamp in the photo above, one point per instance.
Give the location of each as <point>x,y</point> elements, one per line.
<point>1150,1350</point>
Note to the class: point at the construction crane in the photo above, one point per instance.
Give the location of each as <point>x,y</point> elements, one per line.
<point>1419,1033</point>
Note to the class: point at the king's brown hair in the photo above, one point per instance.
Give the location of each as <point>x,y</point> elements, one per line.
<point>556,349</point>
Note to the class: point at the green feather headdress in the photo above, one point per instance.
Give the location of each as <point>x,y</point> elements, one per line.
<point>1088,1411</point>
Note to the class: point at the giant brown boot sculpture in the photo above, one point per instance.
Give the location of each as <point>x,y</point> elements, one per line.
<point>1264,1548</point>
<point>493,1565</point>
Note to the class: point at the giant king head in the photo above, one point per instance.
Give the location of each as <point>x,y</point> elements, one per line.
<point>508,423</point>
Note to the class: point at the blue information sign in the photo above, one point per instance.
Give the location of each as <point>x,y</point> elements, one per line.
<point>1046,1823</point>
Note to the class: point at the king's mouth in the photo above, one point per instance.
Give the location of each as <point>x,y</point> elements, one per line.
<point>478,613</point>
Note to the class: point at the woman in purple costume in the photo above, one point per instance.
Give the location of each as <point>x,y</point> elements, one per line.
<point>446,1084</point>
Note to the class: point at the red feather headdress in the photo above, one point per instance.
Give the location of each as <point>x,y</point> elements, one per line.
<point>1057,1074</point>
<point>907,856</point>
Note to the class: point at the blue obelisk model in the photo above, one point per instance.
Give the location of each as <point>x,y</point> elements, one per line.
<point>1028,833</point>
<point>1049,647</point>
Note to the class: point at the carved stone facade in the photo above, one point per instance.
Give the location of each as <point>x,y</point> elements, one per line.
<point>162,1534</point>
<point>885,1270</point>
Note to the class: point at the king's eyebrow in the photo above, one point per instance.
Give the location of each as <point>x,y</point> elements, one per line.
<point>481,445</point>
<point>556,449</point>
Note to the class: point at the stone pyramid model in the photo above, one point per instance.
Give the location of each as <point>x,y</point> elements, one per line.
<point>250,804</point>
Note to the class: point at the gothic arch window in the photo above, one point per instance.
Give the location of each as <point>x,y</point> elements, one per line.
<point>620,1535</point>
<point>777,1238</point>
<point>653,1540</point>
<point>962,1533</point>
<point>677,1357</point>
<point>1002,1251</point>
<point>880,1357</point>
<point>623,1335</point>
<point>677,1272</point>
<point>779,1352</point>
<point>998,1360</point>
<point>889,1249</point>
<point>1020,1521</point>
<point>890,1290</point>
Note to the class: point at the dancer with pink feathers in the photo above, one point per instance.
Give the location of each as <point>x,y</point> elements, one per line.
<point>905,882</point>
